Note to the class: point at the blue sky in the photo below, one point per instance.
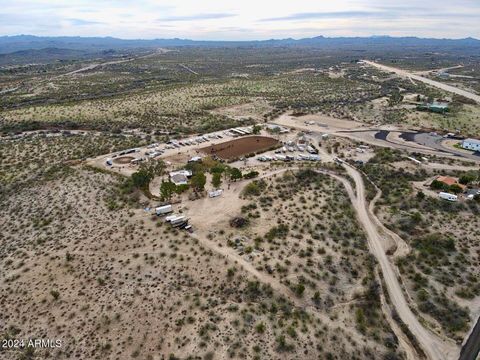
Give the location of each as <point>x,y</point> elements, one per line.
<point>240,20</point>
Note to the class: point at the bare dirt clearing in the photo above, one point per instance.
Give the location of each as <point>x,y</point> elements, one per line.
<point>243,146</point>
<point>326,122</point>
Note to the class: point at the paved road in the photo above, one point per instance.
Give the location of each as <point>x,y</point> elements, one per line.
<point>434,346</point>
<point>437,84</point>
<point>435,142</point>
<point>471,348</point>
<point>367,135</point>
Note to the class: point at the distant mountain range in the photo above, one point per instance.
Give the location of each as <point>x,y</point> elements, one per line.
<point>11,44</point>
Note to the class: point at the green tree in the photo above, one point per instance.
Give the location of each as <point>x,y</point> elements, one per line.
<point>216,180</point>
<point>146,172</point>
<point>166,190</point>
<point>455,188</point>
<point>467,178</point>
<point>152,168</point>
<point>438,185</point>
<point>256,129</point>
<point>198,181</point>
<point>218,168</point>
<point>235,174</point>
<point>181,188</point>
<point>251,175</point>
<point>141,179</point>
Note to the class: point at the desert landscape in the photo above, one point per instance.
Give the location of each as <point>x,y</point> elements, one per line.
<point>283,199</point>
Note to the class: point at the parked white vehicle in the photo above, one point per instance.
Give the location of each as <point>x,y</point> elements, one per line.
<point>162,210</point>
<point>178,220</point>
<point>171,217</point>
<point>215,193</point>
<point>448,196</point>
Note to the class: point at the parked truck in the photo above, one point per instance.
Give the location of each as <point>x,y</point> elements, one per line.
<point>181,225</point>
<point>170,217</point>
<point>178,220</point>
<point>163,210</point>
<point>448,196</point>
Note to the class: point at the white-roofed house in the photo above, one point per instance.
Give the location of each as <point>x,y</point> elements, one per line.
<point>180,177</point>
<point>471,144</point>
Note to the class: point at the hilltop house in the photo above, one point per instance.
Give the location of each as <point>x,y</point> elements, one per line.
<point>449,181</point>
<point>471,144</point>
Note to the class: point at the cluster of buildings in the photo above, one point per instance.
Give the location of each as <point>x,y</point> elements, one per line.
<point>450,182</point>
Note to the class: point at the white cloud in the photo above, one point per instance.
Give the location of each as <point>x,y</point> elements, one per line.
<point>235,20</point>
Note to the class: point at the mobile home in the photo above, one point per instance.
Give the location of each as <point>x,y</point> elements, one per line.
<point>448,196</point>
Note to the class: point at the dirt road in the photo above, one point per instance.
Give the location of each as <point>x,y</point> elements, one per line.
<point>219,207</point>
<point>437,84</point>
<point>113,62</point>
<point>231,198</point>
<point>433,345</point>
<point>401,246</point>
<point>6,91</point>
<point>188,69</point>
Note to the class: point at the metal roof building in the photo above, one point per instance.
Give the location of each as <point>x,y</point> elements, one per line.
<point>471,144</point>
<point>434,107</point>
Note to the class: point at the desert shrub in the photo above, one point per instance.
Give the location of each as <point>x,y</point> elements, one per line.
<point>280,231</point>
<point>238,222</point>
<point>436,245</point>
<point>255,188</point>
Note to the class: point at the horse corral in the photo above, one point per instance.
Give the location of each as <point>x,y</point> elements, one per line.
<point>123,160</point>
<point>239,147</point>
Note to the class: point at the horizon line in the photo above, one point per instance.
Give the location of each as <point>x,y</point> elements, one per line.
<point>234,41</point>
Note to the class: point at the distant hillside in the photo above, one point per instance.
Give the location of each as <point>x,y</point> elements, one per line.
<point>10,44</point>
<point>41,55</point>
<point>45,55</point>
